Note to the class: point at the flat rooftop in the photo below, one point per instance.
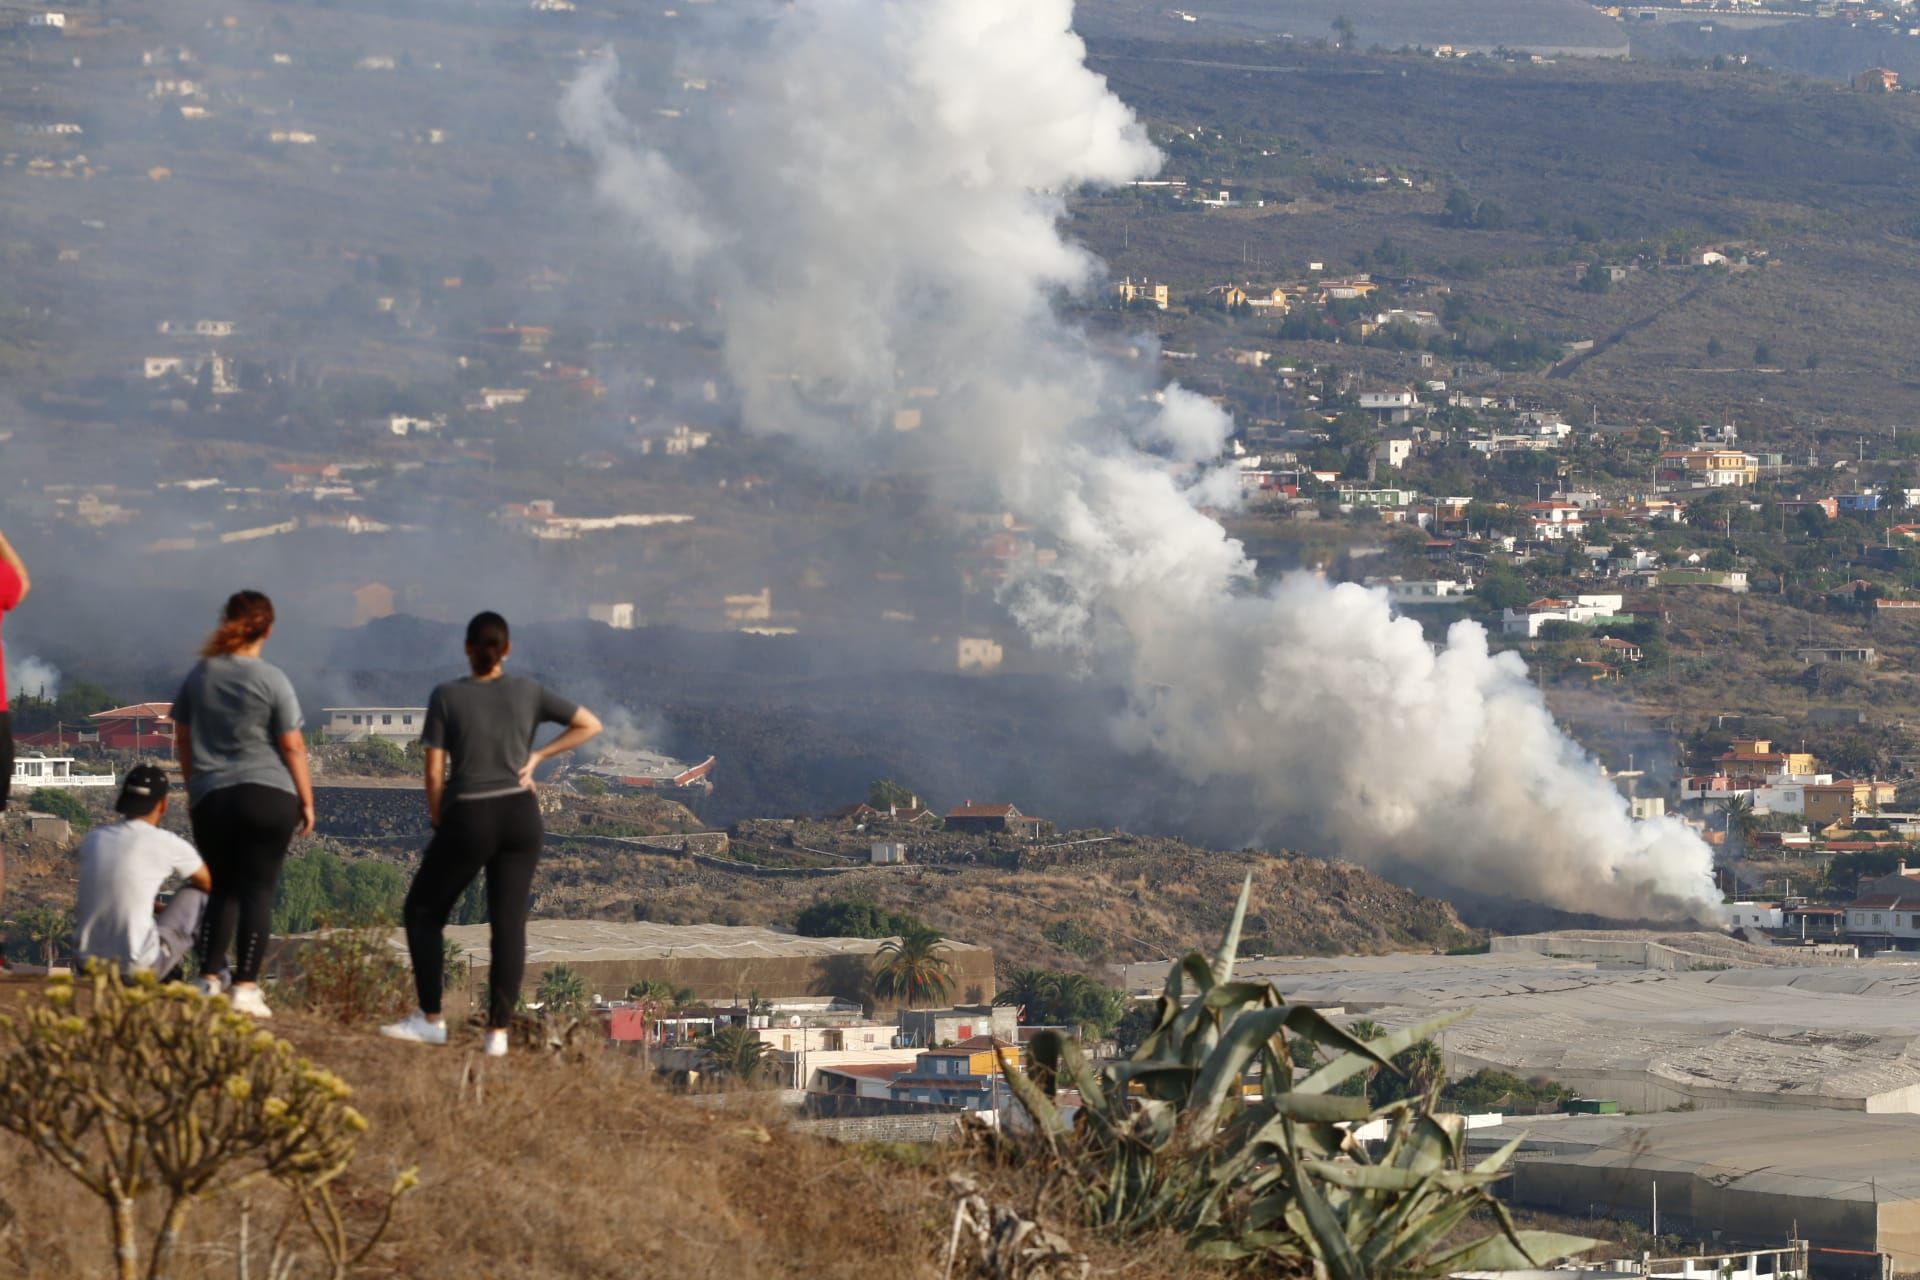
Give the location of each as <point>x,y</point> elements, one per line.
<point>1848,1157</point>
<point>1745,1027</point>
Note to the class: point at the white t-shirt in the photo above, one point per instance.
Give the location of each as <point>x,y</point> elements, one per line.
<point>122,867</point>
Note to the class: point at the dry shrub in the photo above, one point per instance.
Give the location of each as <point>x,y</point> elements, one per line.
<point>156,1100</point>
<point>565,1166</point>
<point>349,975</point>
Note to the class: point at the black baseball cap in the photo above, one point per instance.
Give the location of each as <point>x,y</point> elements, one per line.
<point>145,787</point>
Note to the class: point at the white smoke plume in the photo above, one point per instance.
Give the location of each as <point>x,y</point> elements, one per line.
<point>875,206</point>
<point>28,675</point>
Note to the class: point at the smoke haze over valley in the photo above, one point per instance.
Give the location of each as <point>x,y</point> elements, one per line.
<point>808,296</point>
<point>908,163</point>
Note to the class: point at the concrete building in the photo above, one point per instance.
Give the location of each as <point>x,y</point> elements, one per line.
<point>1846,1184</point>
<point>927,1028</point>
<point>398,725</point>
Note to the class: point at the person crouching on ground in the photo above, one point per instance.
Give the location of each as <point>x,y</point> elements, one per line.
<point>485,817</point>
<point>122,867</point>
<point>237,725</point>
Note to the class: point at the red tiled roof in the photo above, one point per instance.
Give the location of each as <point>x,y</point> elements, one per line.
<point>871,1070</point>
<point>138,711</point>
<point>972,810</point>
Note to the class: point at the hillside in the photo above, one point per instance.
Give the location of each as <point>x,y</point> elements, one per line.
<point>1585,163</point>
<point>677,1189</point>
<point>1115,897</point>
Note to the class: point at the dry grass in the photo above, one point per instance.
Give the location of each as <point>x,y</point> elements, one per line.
<point>545,1167</point>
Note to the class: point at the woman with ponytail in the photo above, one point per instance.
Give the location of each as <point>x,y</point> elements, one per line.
<point>237,725</point>
<point>485,818</point>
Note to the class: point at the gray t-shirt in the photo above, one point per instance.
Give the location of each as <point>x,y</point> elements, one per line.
<point>122,867</point>
<point>487,728</point>
<point>234,710</point>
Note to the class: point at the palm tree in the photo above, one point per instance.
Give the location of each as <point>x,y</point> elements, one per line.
<point>1368,1030</point>
<point>1032,991</point>
<point>1739,821</point>
<point>735,1052</point>
<point>561,990</point>
<point>1416,1069</point>
<point>911,968</point>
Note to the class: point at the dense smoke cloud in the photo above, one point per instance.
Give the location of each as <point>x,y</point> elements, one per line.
<point>28,675</point>
<point>873,216</point>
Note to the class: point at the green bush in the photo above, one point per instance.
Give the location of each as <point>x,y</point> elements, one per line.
<point>61,804</point>
<point>320,888</point>
<point>853,918</point>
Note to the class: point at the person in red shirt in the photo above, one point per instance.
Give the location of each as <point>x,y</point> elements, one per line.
<point>14,585</point>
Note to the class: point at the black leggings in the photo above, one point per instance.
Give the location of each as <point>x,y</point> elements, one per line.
<point>501,836</point>
<point>242,832</point>
<point>6,757</point>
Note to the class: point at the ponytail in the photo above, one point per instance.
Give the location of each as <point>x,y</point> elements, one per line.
<point>246,619</point>
<point>487,642</point>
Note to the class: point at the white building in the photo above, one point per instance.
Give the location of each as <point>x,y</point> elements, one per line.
<point>31,773</point>
<point>1527,620</point>
<point>398,725</point>
<point>1411,595</point>
<point>1393,453</point>
<point>1755,915</point>
<point>56,21</point>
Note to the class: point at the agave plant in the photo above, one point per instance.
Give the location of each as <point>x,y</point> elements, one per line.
<point>1205,1131</point>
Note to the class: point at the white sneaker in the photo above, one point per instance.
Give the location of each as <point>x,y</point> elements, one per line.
<point>496,1044</point>
<point>249,1001</point>
<point>417,1029</point>
<point>207,986</point>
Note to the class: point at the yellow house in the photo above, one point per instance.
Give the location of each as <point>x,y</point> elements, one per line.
<point>1718,467</point>
<point>1130,291</point>
<point>1756,755</point>
<point>1831,802</point>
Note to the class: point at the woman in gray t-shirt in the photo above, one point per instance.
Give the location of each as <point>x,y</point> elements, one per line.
<point>237,725</point>
<point>480,762</point>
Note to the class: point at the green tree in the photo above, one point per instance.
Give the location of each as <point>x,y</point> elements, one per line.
<point>1762,354</point>
<point>1063,1000</point>
<point>1715,348</point>
<point>320,889</point>
<point>852,918</point>
<point>561,990</point>
<point>911,968</point>
<point>47,930</point>
<point>1502,588</point>
<point>1343,27</point>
